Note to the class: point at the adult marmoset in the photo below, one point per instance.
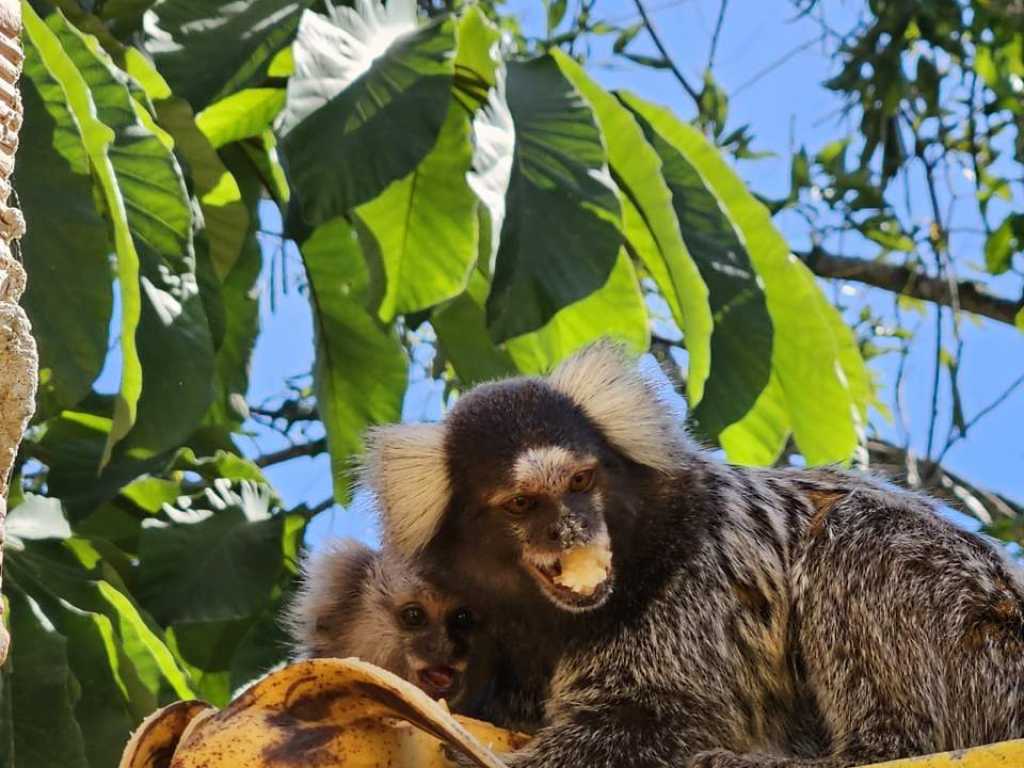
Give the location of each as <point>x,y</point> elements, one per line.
<point>701,614</point>
<point>356,601</point>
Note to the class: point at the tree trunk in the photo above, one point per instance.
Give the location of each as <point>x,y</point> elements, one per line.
<point>18,359</point>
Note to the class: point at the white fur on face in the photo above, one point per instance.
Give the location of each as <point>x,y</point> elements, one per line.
<point>545,469</point>
<point>624,403</point>
<point>405,466</point>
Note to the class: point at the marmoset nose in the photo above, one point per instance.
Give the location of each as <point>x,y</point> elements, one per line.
<point>554,533</point>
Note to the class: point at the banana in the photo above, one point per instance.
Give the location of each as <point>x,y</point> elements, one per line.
<point>325,712</point>
<point>157,737</point>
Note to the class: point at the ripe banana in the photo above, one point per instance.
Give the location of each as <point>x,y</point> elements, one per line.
<point>325,712</point>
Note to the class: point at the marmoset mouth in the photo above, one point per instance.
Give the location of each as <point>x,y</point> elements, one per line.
<point>438,682</point>
<point>572,582</point>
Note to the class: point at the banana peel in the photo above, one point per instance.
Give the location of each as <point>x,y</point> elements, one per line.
<point>332,713</point>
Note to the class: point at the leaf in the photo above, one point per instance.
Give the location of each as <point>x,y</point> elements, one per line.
<point>741,341</point>
<point>462,336</point>
<point>555,13</point>
<point>999,247</point>
<point>494,146</point>
<point>1019,319</point>
<point>807,355</point>
<point>561,235</point>
<point>616,310</point>
<point>626,37</point>
<point>36,518</point>
<point>365,105</point>
<point>187,41</point>
<point>226,218</point>
<point>425,225</point>
<point>97,139</point>
<point>360,371</point>
<point>121,669</point>
<point>172,321</point>
<point>650,223</point>
<point>222,568</point>
<point>240,115</point>
<point>70,318</point>
<point>42,692</point>
<point>239,295</point>
<point>713,104</point>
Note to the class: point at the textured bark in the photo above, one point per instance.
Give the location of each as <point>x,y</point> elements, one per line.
<point>18,359</point>
<point>967,295</point>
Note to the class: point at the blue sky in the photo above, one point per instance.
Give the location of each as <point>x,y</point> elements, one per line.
<point>787,107</point>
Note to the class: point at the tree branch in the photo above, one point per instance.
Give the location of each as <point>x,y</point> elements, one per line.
<point>909,282</point>
<point>656,39</point>
<point>922,474</point>
<point>312,448</point>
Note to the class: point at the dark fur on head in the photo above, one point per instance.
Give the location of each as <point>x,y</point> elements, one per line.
<point>750,618</point>
<point>355,601</point>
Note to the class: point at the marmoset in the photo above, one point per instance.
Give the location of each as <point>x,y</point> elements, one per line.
<point>356,601</point>
<point>695,613</point>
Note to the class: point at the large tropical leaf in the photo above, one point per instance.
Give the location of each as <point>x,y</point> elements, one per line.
<point>70,318</point>
<point>107,665</point>
<point>651,226</point>
<point>188,41</point>
<point>560,238</point>
<point>807,355</point>
<point>172,322</point>
<point>97,139</point>
<point>366,102</point>
<point>360,372</point>
<point>221,568</point>
<point>616,309</point>
<point>741,342</point>
<point>425,224</point>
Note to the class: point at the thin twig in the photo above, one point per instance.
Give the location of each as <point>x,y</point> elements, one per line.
<point>656,39</point>
<point>718,31</point>
<point>776,64</point>
<point>1002,398</point>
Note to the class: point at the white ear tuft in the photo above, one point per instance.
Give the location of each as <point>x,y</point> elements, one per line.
<point>626,404</point>
<point>406,468</point>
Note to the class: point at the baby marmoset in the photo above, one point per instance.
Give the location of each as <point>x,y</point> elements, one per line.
<point>356,601</point>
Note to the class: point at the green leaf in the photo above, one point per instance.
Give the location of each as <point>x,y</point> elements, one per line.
<point>360,371</point>
<point>40,688</point>
<point>713,104</point>
<point>626,37</point>
<point>615,310</point>
<point>999,247</point>
<point>650,223</point>
<point>462,336</point>
<point>240,115</point>
<point>97,139</point>
<point>556,12</point>
<point>172,323</point>
<point>807,355</point>
<point>228,227</point>
<point>221,568</point>
<point>353,123</point>
<point>187,40</point>
<point>741,341</point>
<point>121,668</point>
<point>1019,319</point>
<point>425,225</point>
<point>70,318</point>
<point>561,235</point>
